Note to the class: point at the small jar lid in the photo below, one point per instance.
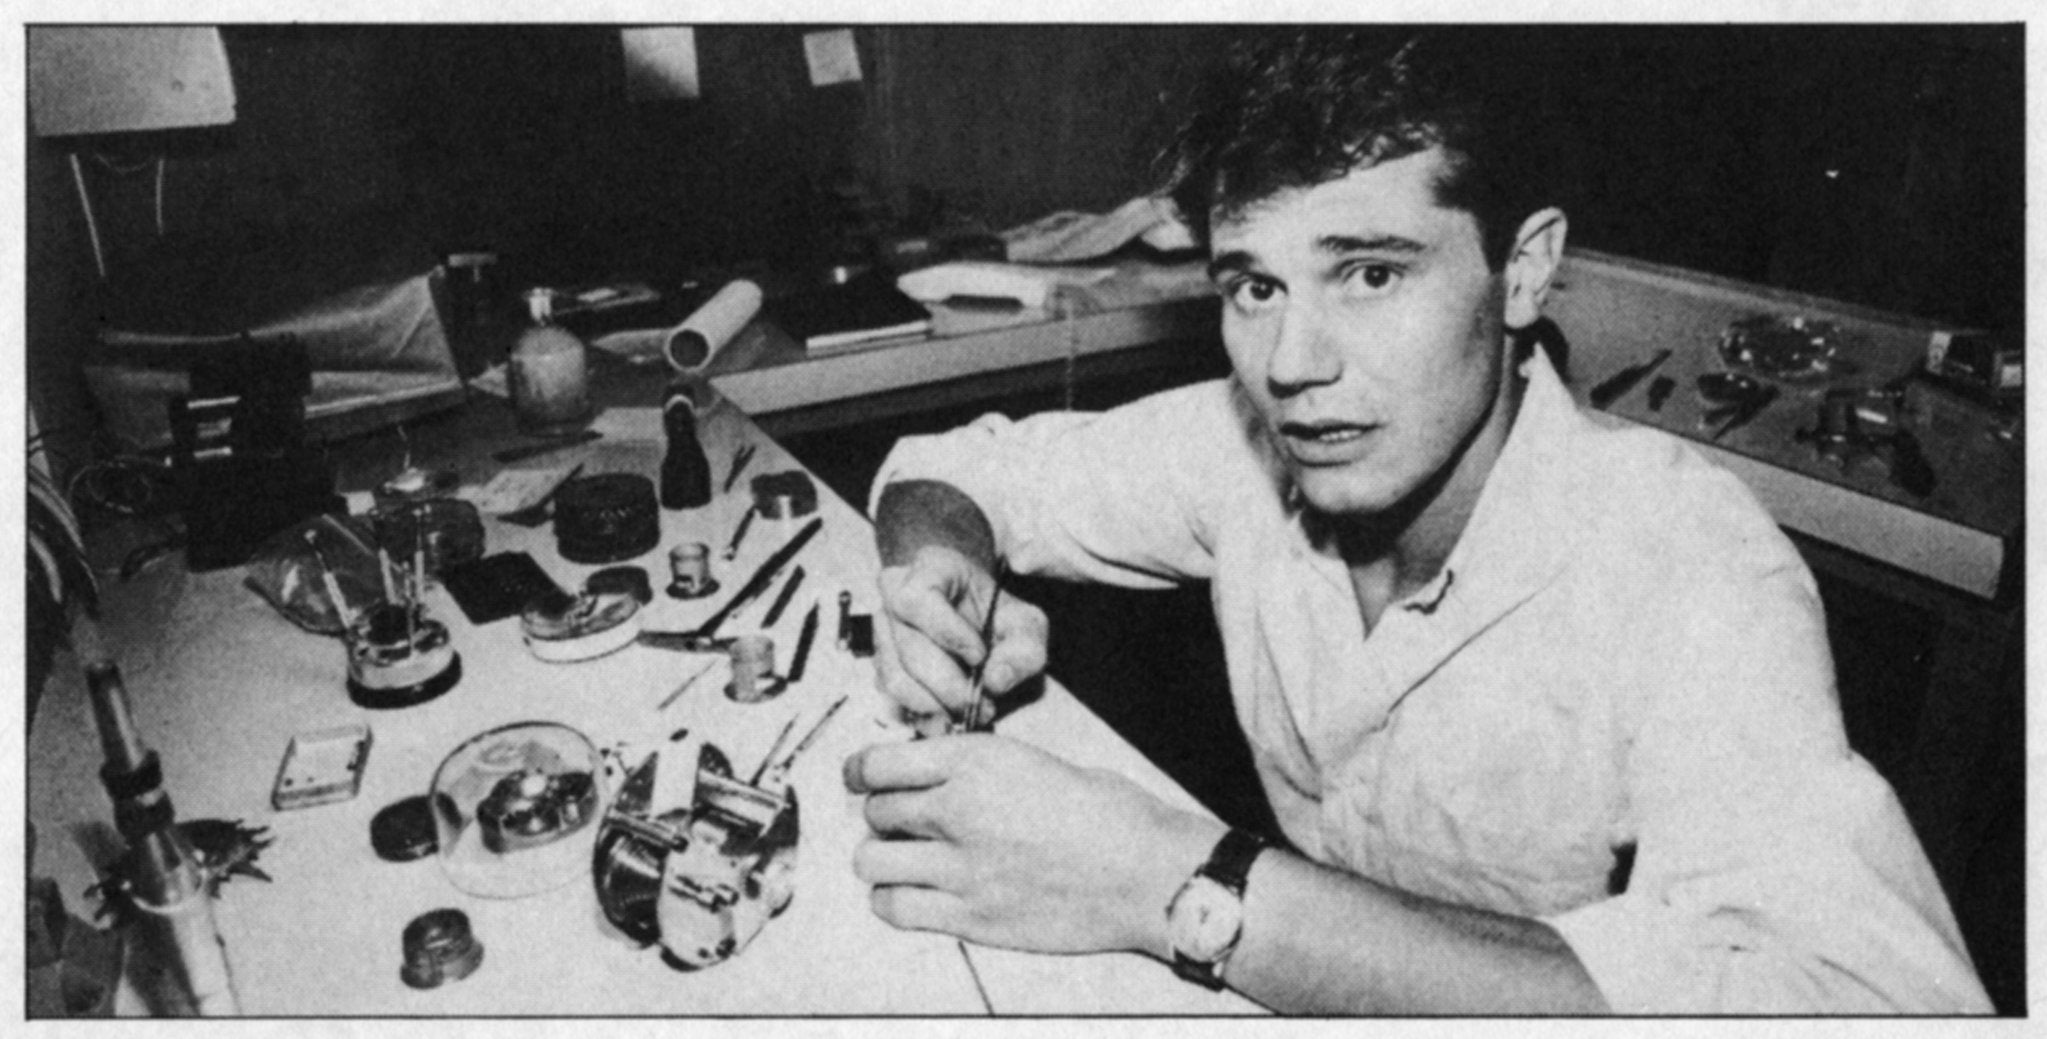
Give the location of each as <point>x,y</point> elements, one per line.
<point>403,830</point>
<point>629,580</point>
<point>439,946</point>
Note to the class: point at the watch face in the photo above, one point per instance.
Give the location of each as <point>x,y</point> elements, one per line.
<point>1204,919</point>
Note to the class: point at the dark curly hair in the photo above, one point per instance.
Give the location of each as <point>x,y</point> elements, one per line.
<point>1305,108</point>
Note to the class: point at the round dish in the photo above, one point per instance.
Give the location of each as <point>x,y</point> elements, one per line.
<point>565,628</point>
<point>1781,347</point>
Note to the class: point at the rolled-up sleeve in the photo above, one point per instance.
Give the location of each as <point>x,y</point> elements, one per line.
<point>1774,872</point>
<point>1119,497</point>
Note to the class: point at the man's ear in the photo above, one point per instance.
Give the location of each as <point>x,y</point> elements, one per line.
<point>1538,249</point>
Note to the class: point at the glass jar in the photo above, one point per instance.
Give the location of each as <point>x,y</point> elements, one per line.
<point>549,377</point>
<point>516,809</point>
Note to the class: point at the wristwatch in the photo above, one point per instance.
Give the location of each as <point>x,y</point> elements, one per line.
<point>1206,916</point>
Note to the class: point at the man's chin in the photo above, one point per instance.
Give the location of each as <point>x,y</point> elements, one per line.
<point>1341,495</point>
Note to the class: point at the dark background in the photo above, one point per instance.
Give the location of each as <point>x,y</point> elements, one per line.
<point>1877,164</point>
<point>1882,165</point>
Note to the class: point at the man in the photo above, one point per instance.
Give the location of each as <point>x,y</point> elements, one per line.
<point>1544,708</point>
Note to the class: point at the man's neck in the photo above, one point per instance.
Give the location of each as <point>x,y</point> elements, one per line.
<point>1394,554</point>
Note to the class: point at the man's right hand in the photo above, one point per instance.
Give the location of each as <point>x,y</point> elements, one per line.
<point>929,639</point>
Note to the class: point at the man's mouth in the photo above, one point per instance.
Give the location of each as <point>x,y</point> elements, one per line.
<point>1323,443</point>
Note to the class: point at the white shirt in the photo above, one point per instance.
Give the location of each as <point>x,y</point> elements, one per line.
<point>1622,651</point>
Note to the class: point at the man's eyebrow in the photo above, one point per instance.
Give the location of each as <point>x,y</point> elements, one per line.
<point>1332,245</point>
<point>1234,260</point>
<point>1341,245</point>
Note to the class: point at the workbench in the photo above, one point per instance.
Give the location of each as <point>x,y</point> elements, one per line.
<point>221,682</point>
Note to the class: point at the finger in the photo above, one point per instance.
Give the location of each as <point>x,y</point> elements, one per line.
<point>1021,635</point>
<point>916,765</point>
<point>918,908</point>
<point>943,680</point>
<point>896,683</point>
<point>931,864</point>
<point>924,599</point>
<point>902,814</point>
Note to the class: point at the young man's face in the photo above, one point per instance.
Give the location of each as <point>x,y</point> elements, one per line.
<point>1362,319</point>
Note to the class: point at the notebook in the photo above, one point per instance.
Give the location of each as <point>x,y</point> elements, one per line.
<point>867,309</point>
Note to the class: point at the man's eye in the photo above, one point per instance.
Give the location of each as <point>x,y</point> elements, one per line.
<point>1251,293</point>
<point>1372,277</point>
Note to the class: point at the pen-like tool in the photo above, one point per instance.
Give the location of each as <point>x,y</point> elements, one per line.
<point>782,600</point>
<point>333,584</point>
<point>803,641</point>
<point>1618,384</point>
<point>684,687</point>
<point>773,769</point>
<point>746,521</point>
<point>774,749</point>
<point>739,460</point>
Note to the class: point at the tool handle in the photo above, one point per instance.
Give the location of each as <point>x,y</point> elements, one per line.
<point>782,600</point>
<point>745,522</point>
<point>761,578</point>
<point>803,641</point>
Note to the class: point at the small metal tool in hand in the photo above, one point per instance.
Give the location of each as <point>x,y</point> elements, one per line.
<point>972,722</point>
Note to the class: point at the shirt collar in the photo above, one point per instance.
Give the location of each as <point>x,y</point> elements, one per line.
<point>1524,528</point>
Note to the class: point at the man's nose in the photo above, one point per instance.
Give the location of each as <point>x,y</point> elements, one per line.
<point>1303,353</point>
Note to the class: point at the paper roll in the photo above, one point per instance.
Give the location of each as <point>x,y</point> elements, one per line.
<point>691,345</point>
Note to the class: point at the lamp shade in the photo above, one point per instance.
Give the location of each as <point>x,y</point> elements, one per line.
<point>115,79</point>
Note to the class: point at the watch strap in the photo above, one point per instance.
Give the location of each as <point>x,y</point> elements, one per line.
<point>1230,863</point>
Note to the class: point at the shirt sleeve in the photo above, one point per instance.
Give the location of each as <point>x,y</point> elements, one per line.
<point>1774,872</point>
<point>1119,497</point>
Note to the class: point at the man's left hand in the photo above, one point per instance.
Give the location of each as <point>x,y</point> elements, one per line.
<point>1003,844</point>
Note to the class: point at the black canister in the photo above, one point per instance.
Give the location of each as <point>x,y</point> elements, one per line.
<point>606,518</point>
<point>685,472</point>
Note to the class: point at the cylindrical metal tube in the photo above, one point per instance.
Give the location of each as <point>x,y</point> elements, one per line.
<point>753,668</point>
<point>201,955</point>
<point>692,344</point>
<point>165,880</point>
<point>118,738</point>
